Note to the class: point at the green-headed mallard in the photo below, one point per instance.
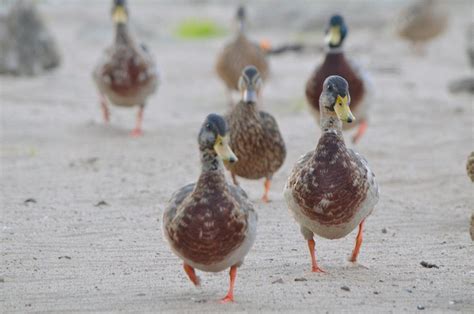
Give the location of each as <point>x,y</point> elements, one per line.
<point>422,21</point>
<point>211,225</point>
<point>332,190</point>
<point>237,54</point>
<point>126,75</point>
<point>336,63</point>
<point>254,134</point>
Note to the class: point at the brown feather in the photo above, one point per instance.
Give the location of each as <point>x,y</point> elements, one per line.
<point>334,64</point>
<point>330,184</point>
<point>236,56</point>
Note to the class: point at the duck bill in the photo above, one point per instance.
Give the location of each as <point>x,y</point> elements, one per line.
<point>342,109</point>
<point>333,37</point>
<point>250,95</point>
<point>223,150</point>
<point>119,14</point>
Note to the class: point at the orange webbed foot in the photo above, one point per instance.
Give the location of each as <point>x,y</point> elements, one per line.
<point>316,269</point>
<point>230,295</point>
<point>136,133</point>
<point>227,299</point>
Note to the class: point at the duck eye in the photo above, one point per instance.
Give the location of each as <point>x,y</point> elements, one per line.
<point>330,88</point>
<point>208,126</point>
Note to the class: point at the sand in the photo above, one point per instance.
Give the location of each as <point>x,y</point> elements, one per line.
<point>61,252</point>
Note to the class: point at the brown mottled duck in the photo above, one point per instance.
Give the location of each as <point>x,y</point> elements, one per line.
<point>336,63</point>
<point>126,75</point>
<point>254,135</point>
<point>422,21</point>
<point>237,54</point>
<point>331,190</point>
<point>211,225</point>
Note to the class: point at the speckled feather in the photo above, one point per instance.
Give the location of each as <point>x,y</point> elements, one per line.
<point>331,189</point>
<point>236,56</point>
<point>257,142</point>
<point>127,74</point>
<point>205,222</point>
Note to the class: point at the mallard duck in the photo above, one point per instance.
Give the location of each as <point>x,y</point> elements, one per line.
<point>126,75</point>
<point>211,225</point>
<point>332,190</point>
<point>237,54</point>
<point>336,63</point>
<point>254,135</point>
<point>422,21</point>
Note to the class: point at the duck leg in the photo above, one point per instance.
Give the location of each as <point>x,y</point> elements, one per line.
<point>234,178</point>
<point>192,275</point>
<point>105,108</point>
<point>360,131</point>
<point>355,252</point>
<point>138,128</point>
<point>230,294</point>
<point>266,185</point>
<point>314,266</point>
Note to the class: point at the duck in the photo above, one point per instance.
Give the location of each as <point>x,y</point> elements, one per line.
<point>254,135</point>
<point>336,63</point>
<point>126,75</point>
<point>331,190</point>
<point>211,225</point>
<point>237,54</point>
<point>421,22</point>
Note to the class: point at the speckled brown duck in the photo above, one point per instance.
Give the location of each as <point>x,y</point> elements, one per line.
<point>254,135</point>
<point>336,63</point>
<point>331,190</point>
<point>126,75</point>
<point>422,21</point>
<point>211,225</point>
<point>237,54</point>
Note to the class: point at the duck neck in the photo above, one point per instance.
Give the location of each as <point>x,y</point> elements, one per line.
<point>122,35</point>
<point>334,52</point>
<point>248,110</point>
<point>212,170</point>
<point>329,120</point>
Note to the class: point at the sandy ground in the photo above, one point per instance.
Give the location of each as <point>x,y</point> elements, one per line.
<point>62,253</point>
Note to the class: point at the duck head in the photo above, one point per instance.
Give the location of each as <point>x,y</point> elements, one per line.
<point>214,135</point>
<point>335,98</point>
<point>250,84</point>
<point>119,12</point>
<point>336,31</point>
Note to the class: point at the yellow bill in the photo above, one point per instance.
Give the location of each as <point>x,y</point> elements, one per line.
<point>223,150</point>
<point>119,15</point>
<point>333,37</point>
<point>342,109</point>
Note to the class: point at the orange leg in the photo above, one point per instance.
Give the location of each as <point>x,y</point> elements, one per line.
<point>105,109</point>
<point>267,184</point>
<point>360,131</point>
<point>314,266</point>
<point>355,252</point>
<point>234,178</point>
<point>138,129</point>
<point>230,294</point>
<point>192,275</point>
